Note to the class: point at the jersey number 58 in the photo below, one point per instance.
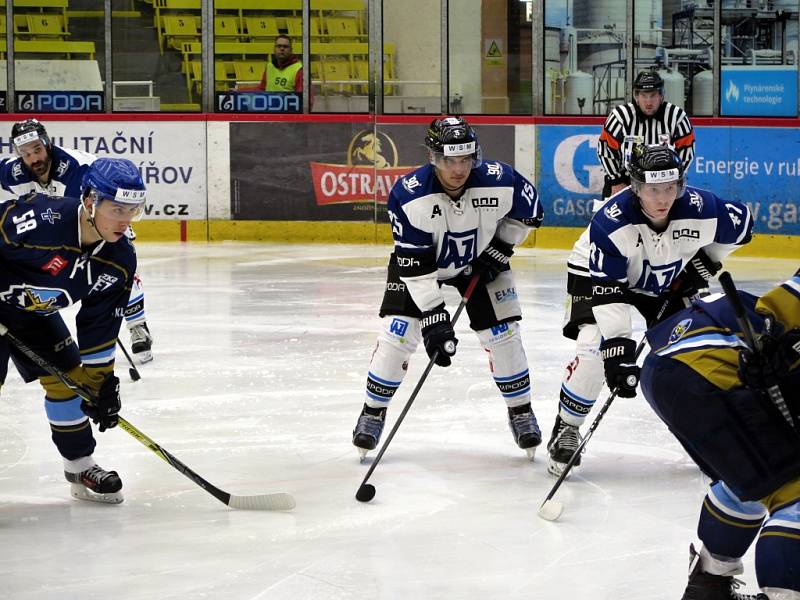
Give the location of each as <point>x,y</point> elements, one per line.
<point>25,221</point>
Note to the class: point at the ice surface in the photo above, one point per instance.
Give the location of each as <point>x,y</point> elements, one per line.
<point>261,354</point>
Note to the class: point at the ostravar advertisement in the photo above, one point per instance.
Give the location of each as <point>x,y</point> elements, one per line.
<point>331,171</point>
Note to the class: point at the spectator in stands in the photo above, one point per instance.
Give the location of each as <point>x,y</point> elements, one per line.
<point>284,71</point>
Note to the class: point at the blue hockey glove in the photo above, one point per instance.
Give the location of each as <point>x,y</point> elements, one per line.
<point>619,364</point>
<point>104,410</point>
<point>494,260</point>
<point>438,334</point>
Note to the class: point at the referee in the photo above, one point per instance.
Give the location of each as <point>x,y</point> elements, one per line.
<point>649,120</point>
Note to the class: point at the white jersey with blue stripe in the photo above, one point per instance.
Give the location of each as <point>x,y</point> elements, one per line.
<point>441,236</point>
<point>627,255</point>
<point>66,172</point>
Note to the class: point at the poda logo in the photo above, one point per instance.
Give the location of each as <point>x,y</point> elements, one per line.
<point>259,102</point>
<point>371,171</point>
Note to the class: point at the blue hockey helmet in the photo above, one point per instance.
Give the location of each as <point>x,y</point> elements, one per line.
<point>653,164</point>
<point>30,130</point>
<point>452,136</point>
<point>117,180</point>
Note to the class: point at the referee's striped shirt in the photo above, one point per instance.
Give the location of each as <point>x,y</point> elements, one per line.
<point>626,120</point>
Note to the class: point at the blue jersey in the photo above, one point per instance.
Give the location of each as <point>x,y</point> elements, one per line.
<point>44,268</point>
<point>441,236</point>
<point>66,172</point>
<point>707,336</point>
<point>627,255</point>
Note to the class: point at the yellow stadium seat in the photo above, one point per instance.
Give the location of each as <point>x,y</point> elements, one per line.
<point>226,28</point>
<point>342,29</point>
<point>362,72</point>
<point>46,26</point>
<point>294,27</point>
<point>248,71</point>
<point>194,78</point>
<point>179,29</point>
<point>259,28</point>
<point>336,71</point>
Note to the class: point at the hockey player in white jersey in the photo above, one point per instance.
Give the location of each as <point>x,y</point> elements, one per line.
<point>656,237</point>
<point>456,216</point>
<point>43,167</point>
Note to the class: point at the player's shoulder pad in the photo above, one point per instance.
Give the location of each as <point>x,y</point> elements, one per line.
<point>13,172</point>
<point>494,173</point>
<point>416,184</point>
<point>36,200</point>
<point>696,203</point>
<point>53,210</point>
<point>620,210</point>
<point>72,157</point>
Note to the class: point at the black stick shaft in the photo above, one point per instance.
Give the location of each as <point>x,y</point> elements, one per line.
<point>603,409</point>
<point>89,396</point>
<point>773,391</point>
<point>129,359</point>
<point>473,282</point>
<point>589,433</point>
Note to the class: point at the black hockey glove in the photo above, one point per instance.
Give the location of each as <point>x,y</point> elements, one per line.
<point>494,260</point>
<point>438,334</point>
<point>692,283</point>
<point>104,410</point>
<point>619,363</point>
<point>779,351</point>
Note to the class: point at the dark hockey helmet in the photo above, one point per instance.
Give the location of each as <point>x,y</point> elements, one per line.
<point>648,81</point>
<point>117,180</point>
<point>25,132</point>
<point>655,164</point>
<point>452,136</point>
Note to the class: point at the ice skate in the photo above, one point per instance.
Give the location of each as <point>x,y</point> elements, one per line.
<point>96,485</point>
<point>705,586</point>
<point>141,343</point>
<point>524,428</point>
<point>368,430</point>
<point>564,441</point>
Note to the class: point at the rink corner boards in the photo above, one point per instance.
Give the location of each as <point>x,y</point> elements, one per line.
<point>347,232</point>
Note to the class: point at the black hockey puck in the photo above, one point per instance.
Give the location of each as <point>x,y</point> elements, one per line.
<point>365,493</point>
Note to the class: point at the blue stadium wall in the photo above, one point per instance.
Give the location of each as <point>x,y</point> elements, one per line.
<point>325,178</point>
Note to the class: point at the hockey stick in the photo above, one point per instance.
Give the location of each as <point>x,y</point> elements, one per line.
<point>551,509</point>
<point>773,391</point>
<point>366,491</point>
<point>276,501</point>
<point>133,371</point>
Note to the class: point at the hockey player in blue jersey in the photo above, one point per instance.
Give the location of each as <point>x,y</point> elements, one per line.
<point>43,167</point>
<point>55,252</point>
<point>711,391</point>
<point>456,216</point>
<point>654,240</point>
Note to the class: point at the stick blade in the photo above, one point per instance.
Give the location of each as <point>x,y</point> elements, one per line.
<point>550,510</point>
<point>276,501</point>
